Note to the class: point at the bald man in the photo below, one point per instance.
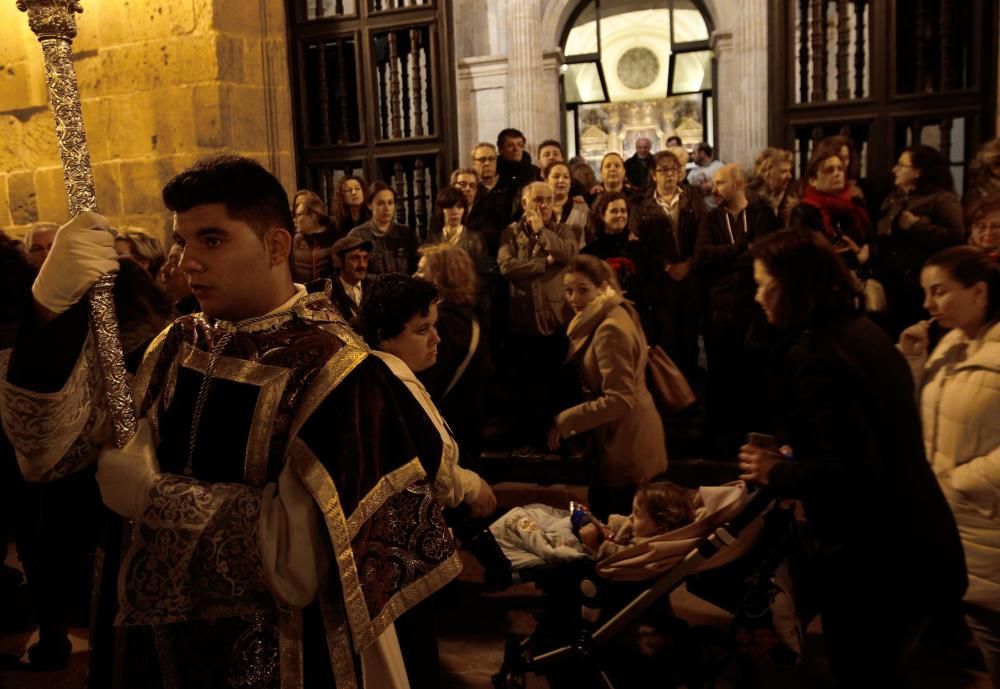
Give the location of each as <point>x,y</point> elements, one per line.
<point>533,255</point>
<point>638,168</point>
<point>722,255</point>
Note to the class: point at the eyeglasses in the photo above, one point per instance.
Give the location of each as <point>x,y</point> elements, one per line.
<point>986,227</point>
<point>668,170</point>
<point>465,185</point>
<point>485,159</point>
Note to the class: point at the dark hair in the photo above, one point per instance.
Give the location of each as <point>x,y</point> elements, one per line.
<point>704,147</point>
<point>250,193</point>
<point>553,165</point>
<point>594,269</point>
<point>449,197</point>
<point>509,133</point>
<point>390,303</point>
<point>814,283</point>
<point>16,276</point>
<point>551,142</point>
<point>674,137</point>
<point>933,166</point>
<point>969,265</point>
<point>838,142</point>
<point>660,156</point>
<point>669,505</point>
<point>821,153</point>
<point>600,207</point>
<point>376,187</point>
<point>139,302</point>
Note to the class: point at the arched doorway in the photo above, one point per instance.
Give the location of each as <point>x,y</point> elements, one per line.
<point>636,69</point>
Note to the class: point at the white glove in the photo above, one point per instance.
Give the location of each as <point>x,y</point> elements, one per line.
<point>126,476</point>
<point>83,251</point>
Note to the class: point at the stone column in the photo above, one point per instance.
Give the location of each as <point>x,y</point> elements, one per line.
<point>742,91</point>
<point>525,84</point>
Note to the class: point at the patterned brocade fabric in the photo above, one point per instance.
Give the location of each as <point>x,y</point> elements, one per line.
<point>403,541</point>
<point>194,532</point>
<point>56,434</point>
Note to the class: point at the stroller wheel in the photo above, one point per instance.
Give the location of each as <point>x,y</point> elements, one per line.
<point>507,680</point>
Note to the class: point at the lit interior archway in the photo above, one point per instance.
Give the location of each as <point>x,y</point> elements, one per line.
<point>636,69</point>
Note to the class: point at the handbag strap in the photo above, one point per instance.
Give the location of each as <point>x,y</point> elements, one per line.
<point>473,345</point>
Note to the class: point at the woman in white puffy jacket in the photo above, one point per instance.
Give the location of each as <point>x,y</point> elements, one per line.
<point>959,388</point>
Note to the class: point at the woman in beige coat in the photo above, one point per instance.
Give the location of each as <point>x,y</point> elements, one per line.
<point>959,387</point>
<point>608,345</point>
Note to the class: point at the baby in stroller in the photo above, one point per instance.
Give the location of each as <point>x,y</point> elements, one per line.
<point>539,534</point>
<point>606,588</point>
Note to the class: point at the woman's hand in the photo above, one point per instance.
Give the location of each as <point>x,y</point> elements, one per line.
<point>850,244</point>
<point>757,462</point>
<point>914,340</point>
<point>554,438</point>
<point>907,219</point>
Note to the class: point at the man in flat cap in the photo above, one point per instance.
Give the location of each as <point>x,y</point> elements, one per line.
<point>350,258</point>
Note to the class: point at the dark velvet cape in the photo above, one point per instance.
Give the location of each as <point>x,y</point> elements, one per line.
<point>296,390</point>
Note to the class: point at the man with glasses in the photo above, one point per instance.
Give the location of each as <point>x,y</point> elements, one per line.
<point>482,216</point>
<point>666,222</point>
<point>983,218</point>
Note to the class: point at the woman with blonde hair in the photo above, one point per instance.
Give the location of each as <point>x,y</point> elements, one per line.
<point>771,182</point>
<point>574,211</point>
<point>455,381</point>
<point>984,172</point>
<point>610,350</point>
<point>141,246</point>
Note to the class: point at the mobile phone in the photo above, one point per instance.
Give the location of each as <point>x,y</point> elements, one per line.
<point>763,440</point>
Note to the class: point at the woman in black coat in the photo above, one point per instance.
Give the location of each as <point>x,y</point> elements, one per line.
<point>885,550</point>
<point>455,381</point>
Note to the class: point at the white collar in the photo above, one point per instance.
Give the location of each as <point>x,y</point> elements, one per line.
<point>300,292</point>
<point>397,366</point>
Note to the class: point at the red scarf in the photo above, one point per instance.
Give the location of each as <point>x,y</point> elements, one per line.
<point>840,203</point>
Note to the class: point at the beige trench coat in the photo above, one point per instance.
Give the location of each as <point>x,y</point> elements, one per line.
<point>621,414</point>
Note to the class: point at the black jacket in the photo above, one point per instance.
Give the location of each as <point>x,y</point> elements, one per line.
<point>724,261</point>
<point>843,399</point>
<point>462,408</point>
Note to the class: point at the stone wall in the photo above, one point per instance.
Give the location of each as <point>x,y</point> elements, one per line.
<point>162,84</point>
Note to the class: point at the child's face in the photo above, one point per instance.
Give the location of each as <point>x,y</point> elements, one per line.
<point>643,525</point>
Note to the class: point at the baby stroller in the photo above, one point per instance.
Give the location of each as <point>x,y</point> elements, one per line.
<point>609,624</point>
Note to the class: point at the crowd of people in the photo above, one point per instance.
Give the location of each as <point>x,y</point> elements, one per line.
<point>523,318</point>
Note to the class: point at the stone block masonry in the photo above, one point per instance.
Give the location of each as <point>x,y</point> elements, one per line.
<point>161,85</point>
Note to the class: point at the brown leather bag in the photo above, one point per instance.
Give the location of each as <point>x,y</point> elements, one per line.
<point>666,383</point>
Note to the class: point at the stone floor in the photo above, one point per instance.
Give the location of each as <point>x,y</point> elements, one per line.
<point>474,623</point>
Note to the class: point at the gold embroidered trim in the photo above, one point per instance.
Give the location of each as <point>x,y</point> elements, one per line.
<point>270,379</point>
<point>290,645</point>
<point>364,628</point>
<point>140,386</point>
<point>388,485</point>
<point>338,641</point>
<point>328,378</point>
<point>324,492</point>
